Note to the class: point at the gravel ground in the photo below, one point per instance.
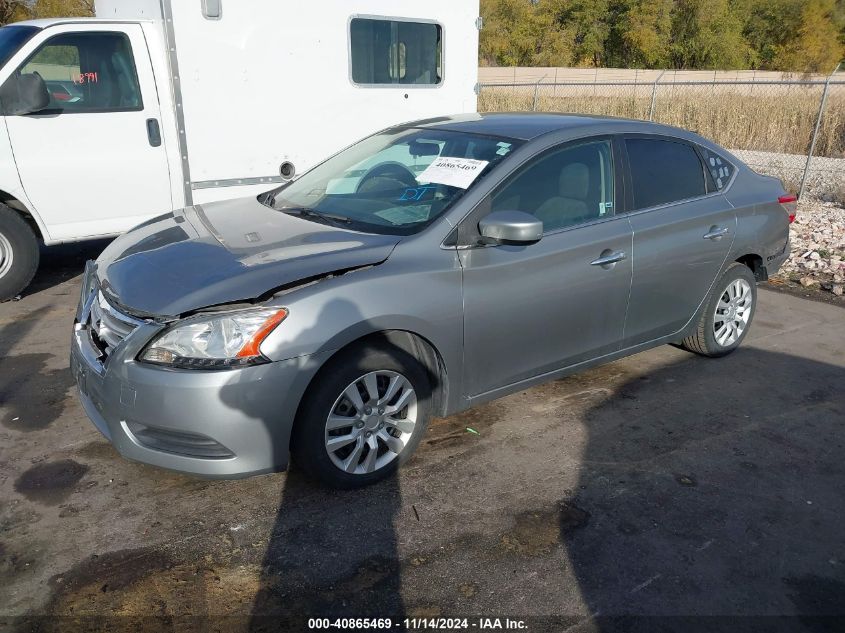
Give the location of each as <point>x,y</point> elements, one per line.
<point>817,261</point>
<point>818,247</point>
<point>826,180</point>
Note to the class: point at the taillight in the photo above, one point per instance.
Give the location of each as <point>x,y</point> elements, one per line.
<point>790,205</point>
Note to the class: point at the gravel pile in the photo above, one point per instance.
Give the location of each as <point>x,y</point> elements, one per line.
<point>818,247</point>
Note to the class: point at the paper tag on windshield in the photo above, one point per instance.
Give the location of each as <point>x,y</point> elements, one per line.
<point>455,172</point>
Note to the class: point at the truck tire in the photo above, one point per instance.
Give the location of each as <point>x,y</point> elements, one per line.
<point>363,416</point>
<point>727,314</point>
<point>18,253</point>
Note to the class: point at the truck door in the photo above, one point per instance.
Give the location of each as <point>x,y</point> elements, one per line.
<point>93,163</point>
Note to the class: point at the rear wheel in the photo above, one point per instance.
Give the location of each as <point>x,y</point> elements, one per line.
<point>727,315</point>
<point>363,417</point>
<point>18,253</point>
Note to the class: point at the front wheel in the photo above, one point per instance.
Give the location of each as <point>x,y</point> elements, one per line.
<point>18,253</point>
<point>363,417</point>
<point>727,314</point>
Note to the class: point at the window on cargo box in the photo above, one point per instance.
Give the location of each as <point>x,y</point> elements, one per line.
<point>663,171</point>
<point>385,52</point>
<point>88,72</point>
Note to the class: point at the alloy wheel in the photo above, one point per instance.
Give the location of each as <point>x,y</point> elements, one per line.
<point>371,422</point>
<point>733,311</point>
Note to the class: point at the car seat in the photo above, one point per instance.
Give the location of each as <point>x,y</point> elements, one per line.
<point>570,205</point>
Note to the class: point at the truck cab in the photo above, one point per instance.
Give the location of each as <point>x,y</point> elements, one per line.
<point>152,106</point>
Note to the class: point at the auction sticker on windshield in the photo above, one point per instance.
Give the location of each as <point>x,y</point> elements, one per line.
<point>455,172</point>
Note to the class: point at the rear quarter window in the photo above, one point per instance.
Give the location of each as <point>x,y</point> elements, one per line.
<point>718,168</point>
<point>663,171</point>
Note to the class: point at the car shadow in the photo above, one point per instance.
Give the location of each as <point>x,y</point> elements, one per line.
<point>331,553</point>
<point>714,487</point>
<point>62,262</point>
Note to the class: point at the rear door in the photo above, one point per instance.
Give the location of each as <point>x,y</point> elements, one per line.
<point>92,164</point>
<point>683,230</point>
<point>530,310</point>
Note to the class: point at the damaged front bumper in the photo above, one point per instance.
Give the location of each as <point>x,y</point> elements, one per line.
<point>218,424</point>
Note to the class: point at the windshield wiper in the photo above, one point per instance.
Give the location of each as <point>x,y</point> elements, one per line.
<point>311,213</point>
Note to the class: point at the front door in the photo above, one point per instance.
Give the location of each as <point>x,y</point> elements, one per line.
<point>91,164</point>
<point>529,310</point>
<point>683,230</point>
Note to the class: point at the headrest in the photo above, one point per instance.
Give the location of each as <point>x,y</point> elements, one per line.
<point>575,181</point>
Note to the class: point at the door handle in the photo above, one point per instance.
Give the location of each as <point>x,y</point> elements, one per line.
<point>153,132</point>
<point>716,233</point>
<point>608,259</point>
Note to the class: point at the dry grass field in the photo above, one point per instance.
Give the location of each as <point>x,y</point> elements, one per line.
<point>771,118</point>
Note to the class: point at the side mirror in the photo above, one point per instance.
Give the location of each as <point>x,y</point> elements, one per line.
<point>511,227</point>
<point>24,94</point>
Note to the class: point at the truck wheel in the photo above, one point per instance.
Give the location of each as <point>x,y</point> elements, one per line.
<point>727,314</point>
<point>363,417</point>
<point>18,253</point>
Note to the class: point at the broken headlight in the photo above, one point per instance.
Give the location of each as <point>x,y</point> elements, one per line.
<point>218,341</point>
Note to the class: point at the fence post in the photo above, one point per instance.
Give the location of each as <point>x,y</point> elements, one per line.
<point>536,88</point>
<point>816,131</point>
<point>654,96</point>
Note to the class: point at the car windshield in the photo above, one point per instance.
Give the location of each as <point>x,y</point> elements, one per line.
<point>395,182</point>
<point>12,38</point>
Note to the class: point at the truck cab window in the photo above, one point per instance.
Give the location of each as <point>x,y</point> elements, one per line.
<point>87,72</point>
<point>385,52</point>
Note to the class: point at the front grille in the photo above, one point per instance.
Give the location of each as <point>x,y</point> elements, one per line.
<point>108,326</point>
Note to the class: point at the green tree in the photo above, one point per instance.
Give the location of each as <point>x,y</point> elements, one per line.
<point>816,44</point>
<point>521,33</point>
<point>708,34</point>
<point>768,27</point>
<point>645,34</point>
<point>588,22</point>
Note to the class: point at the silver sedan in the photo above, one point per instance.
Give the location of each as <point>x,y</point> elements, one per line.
<point>427,269</point>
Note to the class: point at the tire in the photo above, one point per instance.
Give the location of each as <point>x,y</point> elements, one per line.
<point>18,253</point>
<point>734,295</point>
<point>358,370</point>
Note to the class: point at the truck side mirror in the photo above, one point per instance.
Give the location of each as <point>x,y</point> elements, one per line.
<point>24,94</point>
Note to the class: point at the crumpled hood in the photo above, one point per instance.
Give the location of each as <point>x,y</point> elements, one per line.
<point>224,252</point>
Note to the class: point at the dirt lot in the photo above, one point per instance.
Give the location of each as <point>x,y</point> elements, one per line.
<point>660,485</point>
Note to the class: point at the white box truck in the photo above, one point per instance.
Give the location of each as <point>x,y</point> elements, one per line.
<point>161,104</point>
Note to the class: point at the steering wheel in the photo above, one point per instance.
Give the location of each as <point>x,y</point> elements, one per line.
<point>386,177</point>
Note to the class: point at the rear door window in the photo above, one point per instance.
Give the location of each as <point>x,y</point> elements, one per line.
<point>88,72</point>
<point>385,52</point>
<point>663,171</point>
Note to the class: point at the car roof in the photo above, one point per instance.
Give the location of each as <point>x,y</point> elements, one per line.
<point>529,125</point>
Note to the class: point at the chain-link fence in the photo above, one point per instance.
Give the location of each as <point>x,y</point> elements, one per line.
<point>790,128</point>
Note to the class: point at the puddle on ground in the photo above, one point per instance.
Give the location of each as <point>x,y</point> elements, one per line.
<point>32,395</point>
<point>52,482</point>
